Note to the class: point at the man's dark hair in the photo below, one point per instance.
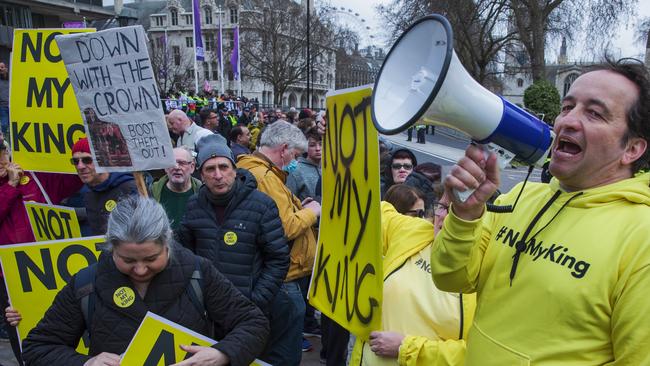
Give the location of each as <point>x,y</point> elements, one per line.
<point>404,154</point>
<point>312,133</point>
<point>638,116</point>
<point>235,132</point>
<point>205,114</point>
<point>403,197</point>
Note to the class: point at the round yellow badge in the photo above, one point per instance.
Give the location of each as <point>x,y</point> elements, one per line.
<point>110,205</point>
<point>124,297</point>
<point>230,238</point>
<point>24,180</point>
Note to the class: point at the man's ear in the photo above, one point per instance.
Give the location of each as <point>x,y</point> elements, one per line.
<point>636,147</point>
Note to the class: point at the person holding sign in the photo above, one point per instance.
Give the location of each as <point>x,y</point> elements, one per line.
<point>143,270</point>
<point>16,187</point>
<point>421,325</point>
<point>104,189</point>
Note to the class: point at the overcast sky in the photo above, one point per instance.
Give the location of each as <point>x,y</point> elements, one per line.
<point>622,46</point>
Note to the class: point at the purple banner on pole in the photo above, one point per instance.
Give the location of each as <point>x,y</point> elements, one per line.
<point>234,57</point>
<point>200,56</point>
<point>74,25</point>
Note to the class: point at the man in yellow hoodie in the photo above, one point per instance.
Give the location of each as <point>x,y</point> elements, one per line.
<point>280,144</point>
<point>564,278</point>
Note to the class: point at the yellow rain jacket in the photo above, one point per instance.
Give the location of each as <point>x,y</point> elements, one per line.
<point>435,323</point>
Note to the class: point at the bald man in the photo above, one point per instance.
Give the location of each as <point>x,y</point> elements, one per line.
<point>188,131</point>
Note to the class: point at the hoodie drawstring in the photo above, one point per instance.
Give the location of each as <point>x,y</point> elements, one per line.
<point>520,247</point>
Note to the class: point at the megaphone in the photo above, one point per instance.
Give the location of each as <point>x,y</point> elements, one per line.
<point>422,81</point>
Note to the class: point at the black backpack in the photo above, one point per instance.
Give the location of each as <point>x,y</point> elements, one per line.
<point>84,289</point>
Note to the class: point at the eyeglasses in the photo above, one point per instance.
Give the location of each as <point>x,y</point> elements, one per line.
<point>441,207</point>
<point>86,160</point>
<point>183,163</point>
<point>406,166</point>
<point>416,213</point>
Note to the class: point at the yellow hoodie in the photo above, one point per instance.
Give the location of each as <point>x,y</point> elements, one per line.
<point>434,322</point>
<point>579,295</point>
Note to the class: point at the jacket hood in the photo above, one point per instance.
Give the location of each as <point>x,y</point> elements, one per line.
<point>302,160</point>
<point>257,159</point>
<point>402,236</point>
<point>634,190</point>
<point>114,180</point>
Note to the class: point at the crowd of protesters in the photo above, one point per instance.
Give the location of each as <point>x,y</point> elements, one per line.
<point>241,207</point>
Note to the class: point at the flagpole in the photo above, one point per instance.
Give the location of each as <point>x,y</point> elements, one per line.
<point>196,65</point>
<point>165,60</point>
<point>221,53</point>
<point>241,94</point>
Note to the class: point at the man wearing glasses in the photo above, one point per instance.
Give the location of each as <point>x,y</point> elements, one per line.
<point>102,190</point>
<point>177,186</point>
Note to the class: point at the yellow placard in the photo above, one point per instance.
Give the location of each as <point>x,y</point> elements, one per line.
<point>51,222</point>
<point>35,272</point>
<point>45,120</point>
<point>347,283</point>
<point>157,343</point>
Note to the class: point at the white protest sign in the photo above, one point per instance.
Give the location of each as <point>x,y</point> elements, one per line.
<point>118,97</point>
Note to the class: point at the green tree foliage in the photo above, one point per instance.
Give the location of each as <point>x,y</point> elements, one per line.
<point>543,98</point>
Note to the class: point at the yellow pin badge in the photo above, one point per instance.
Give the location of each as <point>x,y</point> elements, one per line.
<point>230,238</point>
<point>24,180</point>
<point>124,297</point>
<point>110,205</point>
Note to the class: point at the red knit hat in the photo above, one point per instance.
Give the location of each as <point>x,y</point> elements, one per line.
<point>81,146</point>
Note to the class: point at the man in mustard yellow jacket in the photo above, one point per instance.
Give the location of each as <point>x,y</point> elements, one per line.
<point>280,144</point>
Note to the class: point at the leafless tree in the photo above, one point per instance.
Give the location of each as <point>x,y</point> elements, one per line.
<point>533,22</point>
<point>479,28</point>
<point>541,20</point>
<point>273,43</point>
<point>171,72</point>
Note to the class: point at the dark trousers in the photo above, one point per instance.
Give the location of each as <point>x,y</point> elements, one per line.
<point>284,346</point>
<point>421,138</point>
<point>310,320</point>
<point>334,340</point>
<point>11,331</point>
<point>409,133</point>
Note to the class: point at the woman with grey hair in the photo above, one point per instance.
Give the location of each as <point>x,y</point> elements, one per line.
<point>142,259</point>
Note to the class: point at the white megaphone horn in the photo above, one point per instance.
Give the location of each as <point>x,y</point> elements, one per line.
<point>422,81</point>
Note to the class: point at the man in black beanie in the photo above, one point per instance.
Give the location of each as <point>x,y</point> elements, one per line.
<point>238,228</point>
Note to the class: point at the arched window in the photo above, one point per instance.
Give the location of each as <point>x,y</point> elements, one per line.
<point>174,16</point>
<point>520,83</point>
<point>567,83</point>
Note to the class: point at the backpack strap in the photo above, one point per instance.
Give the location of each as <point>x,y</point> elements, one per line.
<point>84,289</point>
<point>195,288</point>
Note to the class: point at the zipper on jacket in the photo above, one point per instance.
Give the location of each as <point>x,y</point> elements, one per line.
<point>462,317</point>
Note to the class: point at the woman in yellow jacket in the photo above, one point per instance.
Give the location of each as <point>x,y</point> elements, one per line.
<point>421,324</point>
